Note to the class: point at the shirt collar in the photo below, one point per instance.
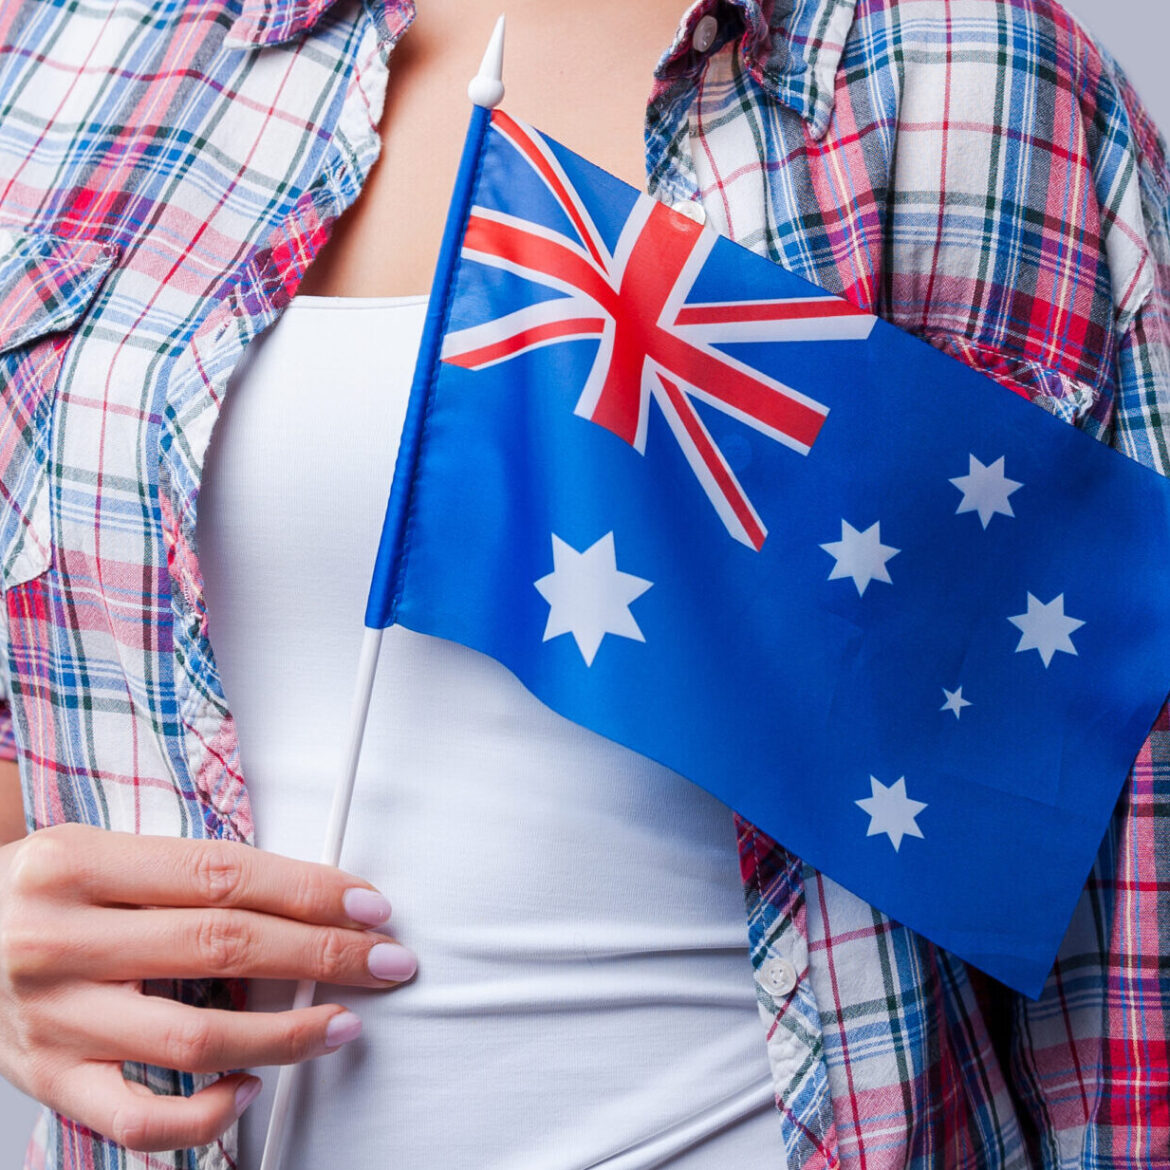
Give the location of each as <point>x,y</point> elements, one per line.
<point>271,22</point>
<point>790,47</point>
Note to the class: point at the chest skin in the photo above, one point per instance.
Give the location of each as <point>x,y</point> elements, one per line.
<point>581,73</point>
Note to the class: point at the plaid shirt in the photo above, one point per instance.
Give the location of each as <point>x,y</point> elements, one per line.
<point>978,172</point>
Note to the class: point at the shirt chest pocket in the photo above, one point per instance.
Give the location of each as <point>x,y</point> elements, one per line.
<point>47,282</point>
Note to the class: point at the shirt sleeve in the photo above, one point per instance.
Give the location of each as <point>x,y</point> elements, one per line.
<point>1112,961</point>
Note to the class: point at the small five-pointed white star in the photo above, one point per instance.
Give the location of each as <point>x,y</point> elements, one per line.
<point>955,701</point>
<point>1046,628</point>
<point>589,596</point>
<point>860,555</point>
<point>985,490</point>
<point>891,811</point>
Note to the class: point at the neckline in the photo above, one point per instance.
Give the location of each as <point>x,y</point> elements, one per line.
<point>311,301</point>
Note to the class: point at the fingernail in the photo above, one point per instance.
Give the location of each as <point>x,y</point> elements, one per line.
<point>344,1027</point>
<point>389,961</point>
<point>247,1093</point>
<point>366,906</point>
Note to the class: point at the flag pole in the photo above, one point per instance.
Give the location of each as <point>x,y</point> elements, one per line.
<point>330,855</point>
<point>485,91</point>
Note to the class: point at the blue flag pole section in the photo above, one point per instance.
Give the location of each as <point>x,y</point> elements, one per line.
<point>918,642</point>
<point>438,309</point>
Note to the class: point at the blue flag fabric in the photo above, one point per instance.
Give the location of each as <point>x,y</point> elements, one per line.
<point>913,627</point>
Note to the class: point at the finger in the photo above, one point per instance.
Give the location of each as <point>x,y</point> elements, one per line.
<point>113,868</point>
<point>113,1024</point>
<point>110,944</point>
<point>96,1094</point>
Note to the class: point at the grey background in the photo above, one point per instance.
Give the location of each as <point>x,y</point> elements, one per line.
<point>1135,32</point>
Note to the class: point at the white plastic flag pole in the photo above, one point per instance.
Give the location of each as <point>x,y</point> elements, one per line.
<point>330,855</point>
<point>487,90</point>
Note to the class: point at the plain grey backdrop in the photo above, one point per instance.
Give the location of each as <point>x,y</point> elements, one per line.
<point>1135,32</point>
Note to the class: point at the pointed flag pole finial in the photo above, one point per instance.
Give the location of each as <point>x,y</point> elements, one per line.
<point>487,87</point>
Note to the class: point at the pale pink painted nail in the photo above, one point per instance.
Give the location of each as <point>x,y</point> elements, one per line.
<point>390,961</point>
<point>248,1091</point>
<point>344,1027</point>
<point>366,906</point>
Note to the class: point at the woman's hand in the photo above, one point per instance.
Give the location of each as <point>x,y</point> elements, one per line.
<point>87,914</point>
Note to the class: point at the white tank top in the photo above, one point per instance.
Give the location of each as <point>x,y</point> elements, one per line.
<point>584,996</point>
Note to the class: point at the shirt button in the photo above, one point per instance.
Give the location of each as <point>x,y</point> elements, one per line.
<point>691,208</point>
<point>704,35</point>
<point>778,976</point>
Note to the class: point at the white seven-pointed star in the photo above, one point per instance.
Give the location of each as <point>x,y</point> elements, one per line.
<point>860,555</point>
<point>1046,628</point>
<point>985,490</point>
<point>891,811</point>
<point>589,596</point>
<point>955,701</point>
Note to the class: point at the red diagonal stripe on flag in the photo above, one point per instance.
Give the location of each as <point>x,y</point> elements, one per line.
<point>522,141</point>
<point>525,339</point>
<point>753,532</point>
<point>539,254</point>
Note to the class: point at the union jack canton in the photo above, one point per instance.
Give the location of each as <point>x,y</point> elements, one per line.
<point>654,347</point>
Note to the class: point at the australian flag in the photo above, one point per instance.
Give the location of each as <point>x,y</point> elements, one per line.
<point>913,627</point>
